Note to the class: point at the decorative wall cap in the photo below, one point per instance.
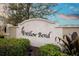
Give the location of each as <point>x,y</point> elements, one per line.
<point>69,26</point>
<point>37,19</point>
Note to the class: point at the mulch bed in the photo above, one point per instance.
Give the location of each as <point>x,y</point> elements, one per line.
<point>33,51</point>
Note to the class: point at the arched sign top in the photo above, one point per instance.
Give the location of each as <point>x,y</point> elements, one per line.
<point>37,19</point>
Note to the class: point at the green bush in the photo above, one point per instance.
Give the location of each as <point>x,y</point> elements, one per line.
<point>1,36</point>
<point>70,44</point>
<point>14,47</point>
<point>50,50</point>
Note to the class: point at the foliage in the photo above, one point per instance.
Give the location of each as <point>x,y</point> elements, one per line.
<point>50,50</point>
<point>70,44</point>
<point>14,47</point>
<point>1,36</point>
<point>23,11</point>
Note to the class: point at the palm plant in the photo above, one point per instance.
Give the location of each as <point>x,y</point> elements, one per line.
<point>70,43</point>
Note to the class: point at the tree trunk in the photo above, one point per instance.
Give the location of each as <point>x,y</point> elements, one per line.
<point>28,10</point>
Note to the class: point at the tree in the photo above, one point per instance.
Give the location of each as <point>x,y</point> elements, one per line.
<point>23,11</point>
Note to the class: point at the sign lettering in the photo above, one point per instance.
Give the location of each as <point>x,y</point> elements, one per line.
<point>31,33</point>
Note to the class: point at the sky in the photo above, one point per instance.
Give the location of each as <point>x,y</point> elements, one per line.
<point>68,14</point>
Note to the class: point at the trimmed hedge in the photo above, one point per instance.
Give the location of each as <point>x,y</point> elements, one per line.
<point>14,47</point>
<point>50,50</point>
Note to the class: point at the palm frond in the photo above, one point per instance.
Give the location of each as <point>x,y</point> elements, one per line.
<point>68,39</point>
<point>70,44</point>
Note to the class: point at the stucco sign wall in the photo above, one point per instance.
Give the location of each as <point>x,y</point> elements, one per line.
<point>38,31</point>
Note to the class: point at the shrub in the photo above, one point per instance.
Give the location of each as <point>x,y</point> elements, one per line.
<point>1,36</point>
<point>14,47</point>
<point>50,50</point>
<point>70,44</point>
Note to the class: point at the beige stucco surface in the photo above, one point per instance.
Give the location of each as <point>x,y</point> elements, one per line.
<point>36,26</point>
<point>70,30</point>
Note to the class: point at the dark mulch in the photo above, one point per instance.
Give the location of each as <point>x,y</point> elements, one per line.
<point>33,51</point>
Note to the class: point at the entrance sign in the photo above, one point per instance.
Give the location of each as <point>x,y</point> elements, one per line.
<point>38,31</point>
